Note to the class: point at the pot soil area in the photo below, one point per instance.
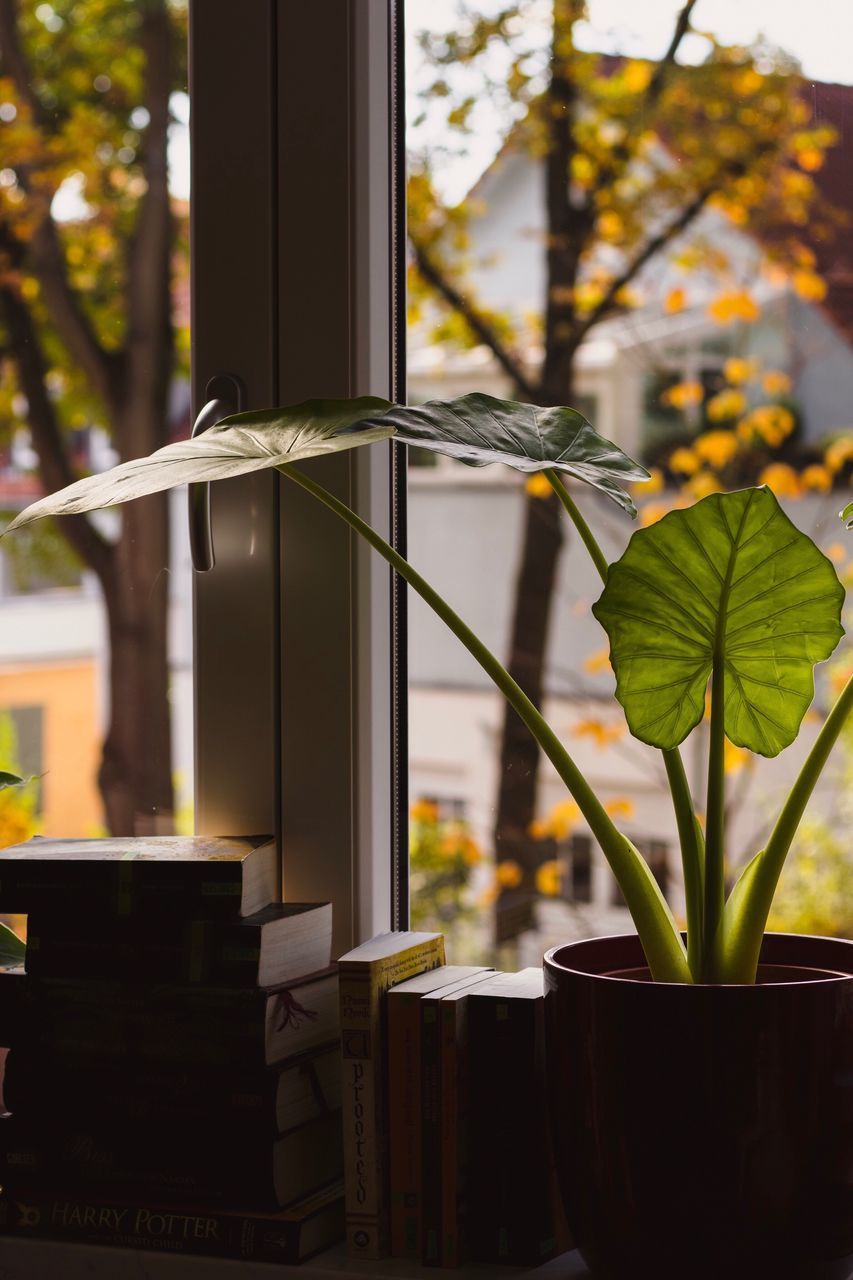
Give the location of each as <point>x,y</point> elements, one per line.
<point>704,1132</point>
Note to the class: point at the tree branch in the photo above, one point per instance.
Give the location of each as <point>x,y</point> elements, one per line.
<point>149,342</point>
<point>479,326</point>
<point>45,250</point>
<point>651,247</point>
<point>54,467</point>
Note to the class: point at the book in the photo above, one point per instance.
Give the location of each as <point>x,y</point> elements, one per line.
<point>193,1164</point>
<point>87,1022</point>
<point>445,1122</point>
<point>12,985</point>
<point>264,1101</point>
<point>366,974</point>
<point>515,1210</point>
<point>154,877</point>
<point>404,1022</point>
<point>286,1236</point>
<point>274,946</point>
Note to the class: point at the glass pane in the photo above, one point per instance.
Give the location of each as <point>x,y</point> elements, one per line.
<point>95,651</point>
<point>652,225</point>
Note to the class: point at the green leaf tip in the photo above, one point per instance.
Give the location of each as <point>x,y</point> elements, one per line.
<point>730,575</point>
<point>476,429</point>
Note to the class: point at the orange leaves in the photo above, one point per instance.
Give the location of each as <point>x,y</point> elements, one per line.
<point>602,734</point>
<point>424,811</point>
<point>839,453</point>
<point>734,304</point>
<point>738,369</point>
<point>770,423</point>
<point>538,486</point>
<point>549,878</point>
<point>683,395</point>
<point>597,662</point>
<point>684,462</point>
<point>776,383</point>
<point>816,478</point>
<point>729,403</point>
<point>809,286</point>
<point>717,448</point>
<point>782,479</point>
<point>675,301</point>
<point>508,874</point>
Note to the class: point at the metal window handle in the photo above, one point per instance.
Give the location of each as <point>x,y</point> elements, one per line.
<point>225,396</point>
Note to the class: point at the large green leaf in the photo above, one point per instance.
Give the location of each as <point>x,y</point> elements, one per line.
<point>730,575</point>
<point>247,442</point>
<point>477,429</point>
<point>12,949</point>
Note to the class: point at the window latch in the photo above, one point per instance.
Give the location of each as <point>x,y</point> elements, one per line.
<point>224,396</point>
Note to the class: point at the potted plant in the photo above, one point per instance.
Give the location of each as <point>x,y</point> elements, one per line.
<point>702,1089</point>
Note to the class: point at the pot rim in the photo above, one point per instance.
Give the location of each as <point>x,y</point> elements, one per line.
<point>822,976</point>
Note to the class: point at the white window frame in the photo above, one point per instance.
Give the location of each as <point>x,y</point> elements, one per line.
<point>296,252</point>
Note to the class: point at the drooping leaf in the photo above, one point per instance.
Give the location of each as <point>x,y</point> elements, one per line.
<point>731,574</point>
<point>476,429</point>
<point>10,780</point>
<point>247,442</point>
<point>479,429</point>
<point>12,949</point>
<point>846,514</point>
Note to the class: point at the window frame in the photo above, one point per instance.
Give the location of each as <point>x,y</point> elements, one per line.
<point>299,632</point>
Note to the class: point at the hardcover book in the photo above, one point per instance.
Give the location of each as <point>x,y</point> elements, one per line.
<point>193,1164</point>
<point>286,1236</point>
<point>263,1101</point>
<point>12,984</point>
<point>164,876</point>
<point>366,974</point>
<point>276,945</point>
<point>406,1003</point>
<point>516,1214</point>
<point>86,1022</point>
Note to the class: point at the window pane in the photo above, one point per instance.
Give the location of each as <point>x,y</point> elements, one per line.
<point>95,651</point>
<point>658,240</point>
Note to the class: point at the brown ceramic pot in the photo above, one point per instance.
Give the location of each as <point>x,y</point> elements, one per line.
<point>704,1132</point>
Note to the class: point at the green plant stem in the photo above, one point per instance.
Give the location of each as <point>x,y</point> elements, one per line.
<point>692,842</point>
<point>661,941</point>
<point>587,536</point>
<point>752,897</point>
<point>715,822</point>
<point>691,839</point>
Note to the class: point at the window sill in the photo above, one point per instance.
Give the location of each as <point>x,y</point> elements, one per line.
<point>34,1259</point>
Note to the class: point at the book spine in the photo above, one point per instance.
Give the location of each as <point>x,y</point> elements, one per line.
<point>453,1153</point>
<point>404,1122</point>
<point>137,1226</point>
<point>429,1190</point>
<point>200,958</point>
<point>366,1180</point>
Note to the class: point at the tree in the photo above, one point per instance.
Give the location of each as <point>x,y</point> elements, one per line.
<point>633,152</point>
<point>86,329</point>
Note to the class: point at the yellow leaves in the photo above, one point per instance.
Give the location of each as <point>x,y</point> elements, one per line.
<point>508,874</point>
<point>839,453</point>
<point>652,512</point>
<point>602,734</point>
<point>584,170</point>
<point>675,301</point>
<point>726,404</point>
<point>424,811</point>
<point>458,844</point>
<point>782,479</point>
<point>776,383</point>
<point>772,423</point>
<point>620,807</point>
<point>747,83</point>
<point>684,462</point>
<point>816,478</point>
<point>597,662</point>
<point>683,395</point>
<point>559,823</point>
<point>734,304</point>
<point>734,758</point>
<point>610,226</point>
<point>549,878</point>
<point>703,483</point>
<point>810,159</point>
<point>538,486</point>
<point>30,289</point>
<point>717,448</point>
<point>809,286</point>
<point>738,370</point>
<point>837,552</point>
<point>636,76</point>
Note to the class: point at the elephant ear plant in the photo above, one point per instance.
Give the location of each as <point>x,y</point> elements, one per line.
<point>727,592</point>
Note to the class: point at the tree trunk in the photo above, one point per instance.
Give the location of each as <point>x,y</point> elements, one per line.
<point>135,774</point>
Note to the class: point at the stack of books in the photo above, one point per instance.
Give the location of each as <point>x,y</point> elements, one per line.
<point>448,1153</point>
<point>173,1080</point>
